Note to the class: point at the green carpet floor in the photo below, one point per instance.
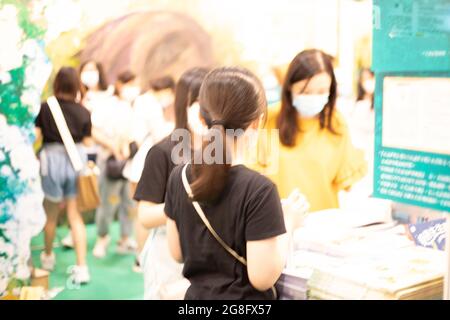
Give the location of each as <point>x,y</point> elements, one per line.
<point>111,277</point>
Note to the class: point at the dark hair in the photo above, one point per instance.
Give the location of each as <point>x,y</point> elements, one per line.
<point>102,83</point>
<point>67,84</point>
<point>234,98</point>
<point>186,93</point>
<point>123,77</point>
<point>162,83</point>
<point>361,91</point>
<point>305,65</point>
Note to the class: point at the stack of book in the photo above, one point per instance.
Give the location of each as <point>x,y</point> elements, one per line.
<point>340,257</point>
<point>292,285</point>
<point>367,241</point>
<point>406,274</point>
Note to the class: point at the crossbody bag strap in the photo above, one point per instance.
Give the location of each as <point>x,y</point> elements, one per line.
<point>65,134</point>
<point>205,220</point>
<point>208,225</point>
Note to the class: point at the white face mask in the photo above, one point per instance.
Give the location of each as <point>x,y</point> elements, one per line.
<point>130,93</point>
<point>165,101</point>
<point>309,105</point>
<point>194,121</point>
<point>90,79</point>
<point>369,86</point>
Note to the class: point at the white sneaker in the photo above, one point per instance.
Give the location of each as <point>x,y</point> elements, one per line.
<point>101,247</point>
<point>48,262</point>
<point>67,241</point>
<point>80,274</point>
<point>128,246</point>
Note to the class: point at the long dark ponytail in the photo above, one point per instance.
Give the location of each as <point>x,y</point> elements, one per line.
<point>233,98</point>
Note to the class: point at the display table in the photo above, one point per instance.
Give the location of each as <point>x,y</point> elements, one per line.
<point>332,260</point>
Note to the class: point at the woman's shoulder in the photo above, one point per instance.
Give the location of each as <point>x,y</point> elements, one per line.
<point>162,148</point>
<point>339,123</point>
<point>177,170</point>
<point>252,186</point>
<point>166,144</point>
<point>245,175</point>
<point>44,106</point>
<point>239,175</point>
<point>79,109</point>
<point>175,181</point>
<point>71,104</point>
<point>84,110</point>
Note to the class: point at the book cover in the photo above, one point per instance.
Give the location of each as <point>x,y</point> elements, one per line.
<point>430,234</point>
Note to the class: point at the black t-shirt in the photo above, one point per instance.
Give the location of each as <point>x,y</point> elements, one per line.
<point>157,168</point>
<point>77,117</point>
<point>249,209</point>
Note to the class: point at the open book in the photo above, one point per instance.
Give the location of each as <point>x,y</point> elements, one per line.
<point>369,230</point>
<point>365,212</point>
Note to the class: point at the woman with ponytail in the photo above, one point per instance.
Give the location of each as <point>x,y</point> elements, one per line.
<point>239,205</point>
<point>157,265</point>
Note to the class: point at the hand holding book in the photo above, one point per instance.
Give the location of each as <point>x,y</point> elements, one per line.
<point>295,208</point>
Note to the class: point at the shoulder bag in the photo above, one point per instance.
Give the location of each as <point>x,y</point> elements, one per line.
<point>88,197</point>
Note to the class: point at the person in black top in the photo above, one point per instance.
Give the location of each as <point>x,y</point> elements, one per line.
<point>151,189</point>
<point>157,169</point>
<point>242,206</point>
<point>59,179</point>
<point>77,117</point>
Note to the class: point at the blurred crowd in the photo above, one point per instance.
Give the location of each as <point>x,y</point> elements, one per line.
<point>211,230</point>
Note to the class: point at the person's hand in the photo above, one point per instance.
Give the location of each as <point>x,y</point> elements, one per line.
<point>118,154</point>
<point>125,151</point>
<point>294,208</point>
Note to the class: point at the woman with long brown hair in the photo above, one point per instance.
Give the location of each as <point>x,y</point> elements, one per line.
<point>241,205</point>
<point>315,153</point>
<point>157,265</point>
<point>59,178</point>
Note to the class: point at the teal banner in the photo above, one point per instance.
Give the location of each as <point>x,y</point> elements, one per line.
<point>411,60</point>
<point>413,175</point>
<point>411,35</point>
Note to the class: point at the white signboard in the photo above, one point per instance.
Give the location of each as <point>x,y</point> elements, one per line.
<point>416,114</point>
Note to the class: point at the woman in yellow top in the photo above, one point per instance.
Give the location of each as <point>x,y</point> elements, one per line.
<point>315,153</point>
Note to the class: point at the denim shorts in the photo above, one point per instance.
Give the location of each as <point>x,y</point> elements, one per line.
<point>59,179</point>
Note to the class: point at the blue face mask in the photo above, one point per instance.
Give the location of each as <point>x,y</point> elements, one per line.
<point>309,105</point>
